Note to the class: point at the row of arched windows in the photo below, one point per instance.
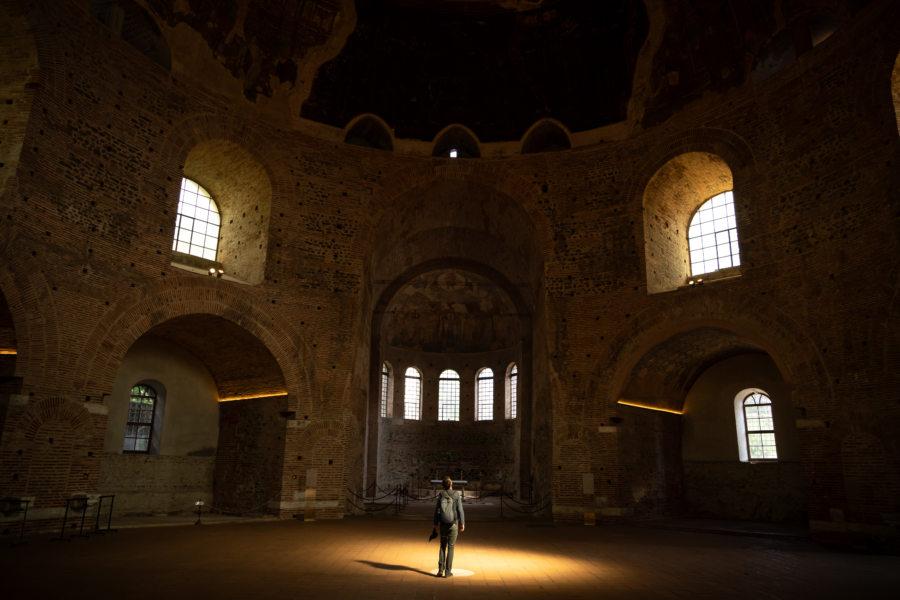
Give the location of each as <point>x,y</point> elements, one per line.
<point>753,409</point>
<point>449,393</point>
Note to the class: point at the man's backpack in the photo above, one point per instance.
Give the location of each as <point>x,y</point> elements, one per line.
<point>447,507</point>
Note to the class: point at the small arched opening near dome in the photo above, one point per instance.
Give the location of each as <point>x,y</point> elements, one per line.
<point>369,131</point>
<point>546,136</point>
<point>456,141</point>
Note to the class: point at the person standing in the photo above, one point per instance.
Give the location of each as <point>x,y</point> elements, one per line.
<point>450,517</point>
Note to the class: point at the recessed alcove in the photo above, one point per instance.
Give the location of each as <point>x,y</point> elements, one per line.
<point>671,197</point>
<point>242,189</point>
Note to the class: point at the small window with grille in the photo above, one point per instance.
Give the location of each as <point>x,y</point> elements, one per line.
<point>712,236</point>
<point>197,223</point>
<point>386,390</point>
<point>512,393</point>
<point>755,424</point>
<point>412,395</point>
<point>448,396</point>
<point>141,410</point>
<point>760,426</point>
<point>484,395</point>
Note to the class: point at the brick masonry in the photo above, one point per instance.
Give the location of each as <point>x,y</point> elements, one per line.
<point>96,137</point>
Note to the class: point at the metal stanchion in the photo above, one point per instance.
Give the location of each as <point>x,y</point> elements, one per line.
<point>109,529</point>
<point>62,534</point>
<point>199,505</point>
<point>84,507</point>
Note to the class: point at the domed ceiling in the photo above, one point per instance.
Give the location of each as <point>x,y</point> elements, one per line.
<point>424,65</point>
<point>495,66</point>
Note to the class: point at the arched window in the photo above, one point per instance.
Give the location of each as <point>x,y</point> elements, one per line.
<point>197,223</point>
<point>141,410</point>
<point>512,392</point>
<point>412,396</point>
<point>484,395</point>
<point>386,390</point>
<point>448,396</point>
<point>712,236</point>
<point>755,426</point>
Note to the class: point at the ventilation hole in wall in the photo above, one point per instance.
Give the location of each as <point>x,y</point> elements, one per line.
<point>51,440</point>
<point>330,462</point>
<point>299,458</point>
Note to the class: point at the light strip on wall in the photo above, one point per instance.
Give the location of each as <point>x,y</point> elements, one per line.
<point>637,405</point>
<point>251,397</point>
<point>8,351</point>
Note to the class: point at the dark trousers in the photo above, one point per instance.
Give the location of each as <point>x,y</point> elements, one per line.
<point>449,531</point>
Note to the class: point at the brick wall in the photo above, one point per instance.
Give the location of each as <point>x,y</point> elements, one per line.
<point>106,135</point>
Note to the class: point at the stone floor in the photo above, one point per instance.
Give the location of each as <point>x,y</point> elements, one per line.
<point>389,557</point>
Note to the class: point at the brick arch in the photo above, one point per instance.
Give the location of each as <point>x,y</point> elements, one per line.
<point>197,128</point>
<point>132,318</point>
<point>762,325</point>
<point>56,435</point>
<point>35,320</point>
<point>405,182</point>
<point>725,144</point>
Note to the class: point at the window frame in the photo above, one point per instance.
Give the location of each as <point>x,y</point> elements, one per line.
<point>154,405</point>
<point>704,227</point>
<point>385,409</point>
<point>480,392</point>
<point>448,395</point>
<point>744,430</point>
<point>512,391</point>
<point>182,215</point>
<point>412,374</point>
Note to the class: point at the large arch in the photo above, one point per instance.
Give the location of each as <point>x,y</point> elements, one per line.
<point>146,309</point>
<point>460,224</point>
<point>656,363</point>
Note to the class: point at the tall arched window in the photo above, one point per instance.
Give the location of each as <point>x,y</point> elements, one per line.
<point>448,396</point>
<point>755,426</point>
<point>197,223</point>
<point>512,392</point>
<point>412,394</point>
<point>712,236</point>
<point>386,390</point>
<point>141,410</point>
<point>484,395</point>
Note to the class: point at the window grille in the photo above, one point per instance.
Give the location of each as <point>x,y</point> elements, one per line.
<point>412,397</point>
<point>139,427</point>
<point>512,393</point>
<point>448,396</point>
<point>712,236</point>
<point>760,427</point>
<point>484,393</point>
<point>385,389</point>
<point>197,224</point>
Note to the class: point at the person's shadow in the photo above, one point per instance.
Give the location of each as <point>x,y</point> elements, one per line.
<point>388,567</point>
